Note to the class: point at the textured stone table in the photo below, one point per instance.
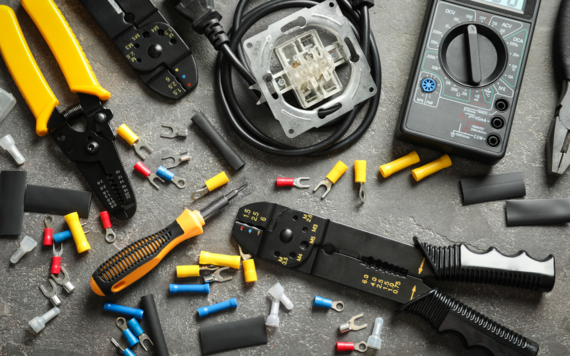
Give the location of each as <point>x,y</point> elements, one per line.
<point>396,207</point>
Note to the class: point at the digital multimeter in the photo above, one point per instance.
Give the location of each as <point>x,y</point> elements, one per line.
<point>465,83</point>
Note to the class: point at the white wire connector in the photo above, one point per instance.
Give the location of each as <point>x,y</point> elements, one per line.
<point>7,143</point>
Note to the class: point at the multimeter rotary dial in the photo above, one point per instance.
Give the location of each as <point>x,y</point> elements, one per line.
<point>473,54</point>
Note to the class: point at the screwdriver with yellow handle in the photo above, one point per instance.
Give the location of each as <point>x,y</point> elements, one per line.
<point>139,258</point>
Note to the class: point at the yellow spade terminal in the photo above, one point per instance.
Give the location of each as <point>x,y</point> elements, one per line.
<point>207,258</point>
<point>77,232</point>
<point>395,166</point>
<point>360,177</point>
<point>249,271</point>
<point>432,167</point>
<point>132,139</point>
<point>210,185</point>
<point>333,176</point>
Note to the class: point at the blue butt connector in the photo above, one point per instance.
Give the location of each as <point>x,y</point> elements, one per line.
<point>120,309</point>
<point>62,236</point>
<point>135,327</point>
<point>189,288</point>
<point>165,173</point>
<point>205,311</point>
<point>322,302</point>
<point>130,337</point>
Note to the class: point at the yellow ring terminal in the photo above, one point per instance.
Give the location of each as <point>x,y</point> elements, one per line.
<point>432,167</point>
<point>249,271</point>
<point>127,134</point>
<point>217,181</point>
<point>360,172</point>
<point>207,258</point>
<point>337,172</point>
<point>395,166</point>
<point>187,271</point>
<point>77,232</point>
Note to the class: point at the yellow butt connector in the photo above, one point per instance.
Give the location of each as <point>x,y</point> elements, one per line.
<point>77,232</point>
<point>210,185</point>
<point>432,167</point>
<point>249,271</point>
<point>333,176</point>
<point>187,271</point>
<point>132,139</point>
<point>395,166</point>
<point>207,258</point>
<point>360,177</point>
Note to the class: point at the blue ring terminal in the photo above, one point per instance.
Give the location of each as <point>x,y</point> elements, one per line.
<point>62,236</point>
<point>429,85</point>
<point>135,327</point>
<point>130,337</point>
<point>165,173</point>
<point>189,288</point>
<point>205,311</point>
<point>121,309</point>
<point>322,302</point>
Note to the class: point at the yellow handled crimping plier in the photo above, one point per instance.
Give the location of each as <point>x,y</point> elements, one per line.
<point>93,151</point>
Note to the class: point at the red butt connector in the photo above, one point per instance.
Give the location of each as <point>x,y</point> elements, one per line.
<point>106,219</point>
<point>141,168</point>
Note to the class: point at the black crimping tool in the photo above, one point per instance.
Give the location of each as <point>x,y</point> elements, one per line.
<point>394,270</point>
<point>152,47</point>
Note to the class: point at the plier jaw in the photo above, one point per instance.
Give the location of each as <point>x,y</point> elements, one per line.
<point>558,142</point>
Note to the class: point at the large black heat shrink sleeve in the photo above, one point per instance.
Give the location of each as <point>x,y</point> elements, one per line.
<point>154,328</point>
<point>12,190</point>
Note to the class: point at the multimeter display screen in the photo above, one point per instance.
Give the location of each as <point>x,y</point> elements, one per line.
<point>508,4</point>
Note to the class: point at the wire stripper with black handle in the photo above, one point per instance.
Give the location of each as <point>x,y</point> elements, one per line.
<point>152,47</point>
<point>394,270</point>
<point>93,151</point>
<point>139,258</point>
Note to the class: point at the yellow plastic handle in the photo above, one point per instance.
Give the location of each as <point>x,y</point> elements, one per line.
<point>127,134</point>
<point>187,271</point>
<point>77,232</point>
<point>217,181</point>
<point>337,172</point>
<point>24,70</point>
<point>249,271</point>
<point>395,166</point>
<point>65,47</point>
<point>360,172</point>
<point>207,258</point>
<point>432,167</point>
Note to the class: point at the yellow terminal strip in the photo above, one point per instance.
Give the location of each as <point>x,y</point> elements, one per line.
<point>395,166</point>
<point>132,139</point>
<point>432,167</point>
<point>187,271</point>
<point>77,232</point>
<point>210,185</point>
<point>360,177</point>
<point>207,258</point>
<point>333,176</point>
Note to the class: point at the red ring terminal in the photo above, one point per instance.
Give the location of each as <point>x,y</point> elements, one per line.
<point>105,219</point>
<point>285,182</point>
<point>344,346</point>
<point>48,236</point>
<point>55,265</point>
<point>141,168</point>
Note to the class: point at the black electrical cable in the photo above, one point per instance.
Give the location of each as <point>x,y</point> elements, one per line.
<point>231,56</point>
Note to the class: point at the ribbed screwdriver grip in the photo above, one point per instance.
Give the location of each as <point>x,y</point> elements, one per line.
<point>458,263</point>
<point>445,314</point>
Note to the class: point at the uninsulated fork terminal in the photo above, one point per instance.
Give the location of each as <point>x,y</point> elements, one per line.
<point>183,157</point>
<point>51,295</point>
<point>132,139</point>
<point>176,132</point>
<point>350,326</point>
<point>141,168</point>
<point>64,281</point>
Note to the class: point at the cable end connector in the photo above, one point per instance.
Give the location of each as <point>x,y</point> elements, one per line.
<point>358,3</point>
<point>205,20</point>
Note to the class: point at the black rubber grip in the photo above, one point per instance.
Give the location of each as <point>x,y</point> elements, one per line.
<point>446,314</point>
<point>154,327</point>
<point>233,335</point>
<point>12,190</point>
<point>459,263</point>
<point>49,200</point>
<point>562,41</point>
<point>538,212</point>
<point>493,187</point>
<point>217,140</point>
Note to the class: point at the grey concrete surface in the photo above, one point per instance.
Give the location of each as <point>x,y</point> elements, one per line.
<point>396,207</point>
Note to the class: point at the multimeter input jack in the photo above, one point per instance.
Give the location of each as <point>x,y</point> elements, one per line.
<point>429,85</point>
<point>497,122</point>
<point>493,140</point>
<point>502,105</point>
